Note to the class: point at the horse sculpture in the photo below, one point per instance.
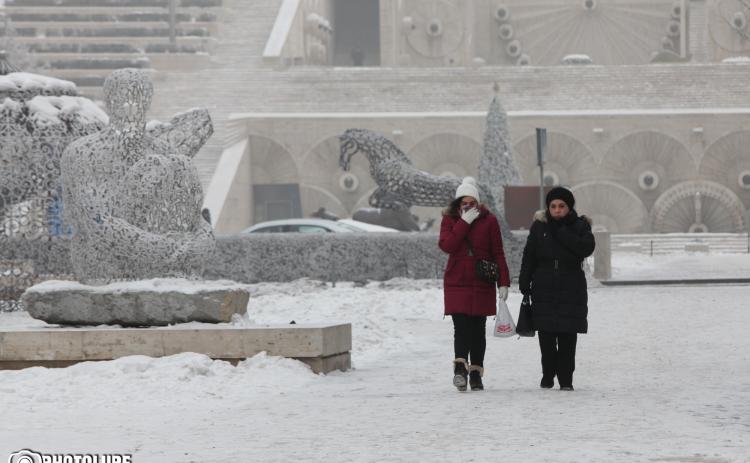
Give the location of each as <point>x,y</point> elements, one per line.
<point>400,184</point>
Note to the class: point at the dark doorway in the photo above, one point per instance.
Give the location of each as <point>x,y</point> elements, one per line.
<point>276,202</point>
<point>356,32</point>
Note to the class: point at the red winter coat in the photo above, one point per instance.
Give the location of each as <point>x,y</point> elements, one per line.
<point>464,292</point>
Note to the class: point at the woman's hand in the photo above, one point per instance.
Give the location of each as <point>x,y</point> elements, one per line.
<point>502,293</point>
<point>470,215</point>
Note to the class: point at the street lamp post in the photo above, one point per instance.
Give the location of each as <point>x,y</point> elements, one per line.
<point>541,147</point>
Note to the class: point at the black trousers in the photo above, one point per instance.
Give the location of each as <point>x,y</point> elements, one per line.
<point>558,356</point>
<point>468,338</point>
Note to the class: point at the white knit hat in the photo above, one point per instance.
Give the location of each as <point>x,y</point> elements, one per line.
<point>468,187</point>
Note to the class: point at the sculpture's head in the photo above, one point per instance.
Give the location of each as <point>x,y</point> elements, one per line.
<point>350,145</point>
<point>128,93</point>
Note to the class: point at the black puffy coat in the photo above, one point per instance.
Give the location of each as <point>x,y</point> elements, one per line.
<point>552,272</point>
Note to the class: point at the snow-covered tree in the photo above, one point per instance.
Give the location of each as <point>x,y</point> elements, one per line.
<point>497,167</point>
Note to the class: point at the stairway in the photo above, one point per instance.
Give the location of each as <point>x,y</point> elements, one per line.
<point>84,40</point>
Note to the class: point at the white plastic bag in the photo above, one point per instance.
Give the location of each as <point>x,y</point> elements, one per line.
<point>504,325</point>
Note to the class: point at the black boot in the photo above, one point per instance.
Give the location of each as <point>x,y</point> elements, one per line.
<point>475,378</point>
<point>460,374</point>
<point>547,382</point>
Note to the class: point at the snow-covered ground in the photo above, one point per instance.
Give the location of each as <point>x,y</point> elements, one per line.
<point>662,377</point>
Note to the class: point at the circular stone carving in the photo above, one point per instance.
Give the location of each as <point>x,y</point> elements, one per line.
<point>727,25</point>
<point>513,48</point>
<point>639,152</point>
<point>667,44</point>
<point>739,21</point>
<point>725,159</point>
<point>566,156</point>
<point>673,28</point>
<point>648,180</point>
<point>611,206</point>
<point>589,5</point>
<point>676,10</point>
<point>617,32</point>
<point>505,32</point>
<point>438,27</point>
<point>435,28</point>
<point>523,60</point>
<point>698,205</point>
<point>744,180</point>
<point>349,182</point>
<point>502,13</point>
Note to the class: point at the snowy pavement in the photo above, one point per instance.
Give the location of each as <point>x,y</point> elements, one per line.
<point>662,377</point>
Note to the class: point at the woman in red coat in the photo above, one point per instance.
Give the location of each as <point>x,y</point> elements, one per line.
<point>469,232</point>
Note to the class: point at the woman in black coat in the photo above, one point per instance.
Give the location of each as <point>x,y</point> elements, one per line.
<point>552,274</point>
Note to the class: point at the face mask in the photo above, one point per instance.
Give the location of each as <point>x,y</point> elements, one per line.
<point>466,207</point>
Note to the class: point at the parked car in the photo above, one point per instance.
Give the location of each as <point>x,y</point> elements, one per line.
<point>314,226</point>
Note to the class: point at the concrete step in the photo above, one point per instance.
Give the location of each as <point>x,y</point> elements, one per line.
<point>110,3</point>
<point>66,27</point>
<point>171,61</point>
<point>86,15</point>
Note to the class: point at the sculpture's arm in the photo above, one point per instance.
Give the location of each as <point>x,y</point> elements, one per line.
<point>185,133</point>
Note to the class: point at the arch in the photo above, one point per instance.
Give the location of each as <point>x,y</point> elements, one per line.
<point>648,151</point>
<point>567,157</point>
<point>447,152</point>
<point>320,168</point>
<point>698,202</point>
<point>725,159</point>
<point>270,162</point>
<point>611,206</point>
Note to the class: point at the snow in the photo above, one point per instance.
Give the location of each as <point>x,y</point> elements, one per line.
<point>24,81</point>
<point>51,109</point>
<point>10,105</point>
<point>635,266</point>
<point>662,376</point>
<point>158,285</point>
<point>367,226</point>
<point>737,60</point>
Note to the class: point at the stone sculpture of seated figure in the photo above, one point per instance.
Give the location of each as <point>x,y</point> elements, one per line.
<point>134,204</point>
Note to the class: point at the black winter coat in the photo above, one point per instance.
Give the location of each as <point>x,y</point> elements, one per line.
<point>552,272</point>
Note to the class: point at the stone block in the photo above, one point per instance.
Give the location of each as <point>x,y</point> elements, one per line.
<point>139,303</point>
<point>324,347</point>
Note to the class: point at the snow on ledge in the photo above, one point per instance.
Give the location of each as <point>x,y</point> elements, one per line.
<point>156,285</point>
<point>54,109</point>
<point>737,60</point>
<point>24,81</point>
